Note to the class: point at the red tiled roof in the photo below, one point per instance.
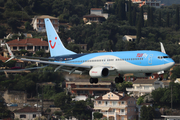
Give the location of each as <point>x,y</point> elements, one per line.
<point>122,98</point>
<point>3,58</point>
<point>96,8</point>
<point>125,98</point>
<point>28,41</point>
<point>26,110</point>
<point>92,15</point>
<point>144,81</point>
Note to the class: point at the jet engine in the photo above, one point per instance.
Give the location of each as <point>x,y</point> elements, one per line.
<point>98,72</point>
<point>142,74</point>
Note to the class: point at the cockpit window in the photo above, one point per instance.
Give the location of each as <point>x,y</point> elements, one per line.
<point>161,57</point>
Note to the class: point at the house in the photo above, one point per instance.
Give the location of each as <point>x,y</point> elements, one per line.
<point>39,25</point>
<point>30,44</point>
<point>129,38</point>
<point>96,15</point>
<point>27,113</point>
<point>145,86</point>
<point>151,3</point>
<point>108,5</point>
<point>83,87</point>
<point>116,106</point>
<point>177,80</point>
<point>92,18</point>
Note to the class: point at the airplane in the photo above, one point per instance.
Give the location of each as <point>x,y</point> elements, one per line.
<point>142,63</point>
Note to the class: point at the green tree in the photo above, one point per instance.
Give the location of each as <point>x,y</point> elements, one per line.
<point>74,20</point>
<point>138,33</point>
<point>129,13</point>
<point>177,16</point>
<point>4,112</point>
<point>14,24</point>
<point>167,19</point>
<point>175,73</point>
<point>141,18</point>
<point>2,31</point>
<point>10,63</point>
<point>28,26</point>
<point>159,19</point>
<point>63,101</point>
<point>147,113</point>
<point>97,115</point>
<point>140,100</point>
<point>122,86</point>
<point>80,110</point>
<point>134,16</point>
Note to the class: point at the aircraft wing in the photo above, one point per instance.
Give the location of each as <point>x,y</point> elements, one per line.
<point>19,70</point>
<point>57,63</point>
<point>71,68</point>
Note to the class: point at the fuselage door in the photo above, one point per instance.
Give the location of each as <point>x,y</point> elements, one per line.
<point>150,59</point>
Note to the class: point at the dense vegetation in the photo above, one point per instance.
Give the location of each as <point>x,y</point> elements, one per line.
<point>162,25</point>
<point>170,2</point>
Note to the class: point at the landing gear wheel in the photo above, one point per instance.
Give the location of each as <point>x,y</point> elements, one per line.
<point>117,80</point>
<point>93,80</point>
<point>121,79</point>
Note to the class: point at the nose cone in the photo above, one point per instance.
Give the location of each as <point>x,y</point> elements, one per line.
<point>169,63</point>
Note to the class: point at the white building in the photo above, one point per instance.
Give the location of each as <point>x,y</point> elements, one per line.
<point>129,38</point>
<point>27,113</point>
<point>39,25</point>
<point>145,86</point>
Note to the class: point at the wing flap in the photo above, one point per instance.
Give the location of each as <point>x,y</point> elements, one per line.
<point>57,63</point>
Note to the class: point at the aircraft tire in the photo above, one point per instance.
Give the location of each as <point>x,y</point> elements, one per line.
<point>95,80</point>
<point>91,80</point>
<point>117,80</point>
<point>121,79</point>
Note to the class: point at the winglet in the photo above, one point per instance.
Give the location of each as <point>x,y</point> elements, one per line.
<point>162,48</point>
<point>10,53</point>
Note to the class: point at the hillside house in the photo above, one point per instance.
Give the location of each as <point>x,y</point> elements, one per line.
<point>129,38</point>
<point>39,25</point>
<point>151,3</point>
<point>146,86</point>
<point>27,113</point>
<point>30,44</point>
<point>96,15</point>
<point>116,106</point>
<point>86,88</point>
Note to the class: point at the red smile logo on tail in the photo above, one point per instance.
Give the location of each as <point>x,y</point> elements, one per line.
<point>52,46</point>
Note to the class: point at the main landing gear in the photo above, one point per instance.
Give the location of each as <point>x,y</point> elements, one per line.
<point>119,79</point>
<point>93,80</point>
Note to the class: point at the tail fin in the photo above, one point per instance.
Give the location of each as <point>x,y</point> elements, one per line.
<point>162,48</point>
<point>55,44</point>
<point>10,53</point>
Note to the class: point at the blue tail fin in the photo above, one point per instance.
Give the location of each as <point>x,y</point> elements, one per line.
<point>55,44</point>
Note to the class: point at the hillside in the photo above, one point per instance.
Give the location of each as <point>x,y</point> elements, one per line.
<point>170,2</point>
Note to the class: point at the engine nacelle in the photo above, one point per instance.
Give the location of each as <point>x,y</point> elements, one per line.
<point>99,72</point>
<point>142,74</point>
